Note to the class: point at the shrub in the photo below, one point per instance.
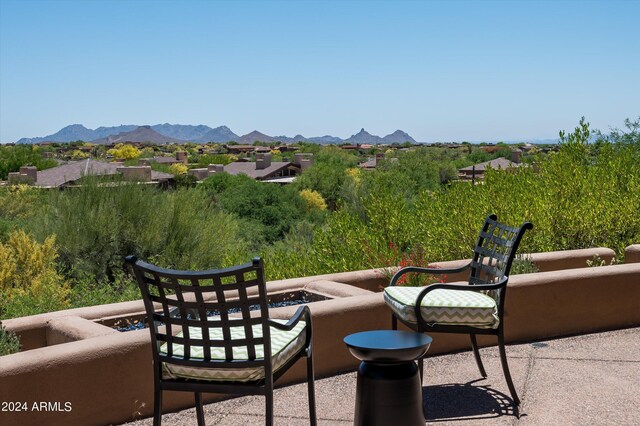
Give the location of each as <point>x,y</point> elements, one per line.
<point>29,282</point>
<point>125,151</point>
<point>98,226</point>
<point>178,169</point>
<point>418,169</point>
<point>596,261</point>
<point>396,258</point>
<point>9,341</point>
<point>313,199</point>
<point>217,183</point>
<point>272,208</point>
<point>18,202</point>
<point>76,154</point>
<point>328,175</point>
<point>14,157</point>
<point>87,291</point>
<point>523,264</point>
<point>267,211</point>
<point>583,196</point>
<point>355,174</point>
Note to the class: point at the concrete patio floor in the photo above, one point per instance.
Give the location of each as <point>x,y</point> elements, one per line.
<point>592,379</point>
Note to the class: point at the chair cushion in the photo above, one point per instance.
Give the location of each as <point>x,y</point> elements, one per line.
<point>284,346</point>
<point>444,307</point>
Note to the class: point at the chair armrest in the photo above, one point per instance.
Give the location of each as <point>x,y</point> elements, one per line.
<point>465,287</point>
<point>302,312</point>
<point>421,270</point>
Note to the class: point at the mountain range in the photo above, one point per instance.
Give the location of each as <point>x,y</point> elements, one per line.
<point>140,134</point>
<point>179,133</point>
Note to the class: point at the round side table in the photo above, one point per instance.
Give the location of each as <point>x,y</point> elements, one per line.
<point>389,391</point>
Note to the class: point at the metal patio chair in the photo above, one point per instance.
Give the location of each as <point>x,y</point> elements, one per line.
<point>205,338</point>
<point>473,308</point>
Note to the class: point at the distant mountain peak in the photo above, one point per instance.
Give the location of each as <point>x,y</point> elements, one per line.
<point>140,134</point>
<point>254,136</point>
<point>364,137</point>
<point>398,136</point>
<point>179,133</point>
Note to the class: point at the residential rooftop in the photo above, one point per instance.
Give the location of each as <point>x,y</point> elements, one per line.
<point>497,163</point>
<point>73,171</point>
<point>250,169</point>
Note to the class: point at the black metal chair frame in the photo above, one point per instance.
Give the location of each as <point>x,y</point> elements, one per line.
<point>181,299</point>
<point>489,271</point>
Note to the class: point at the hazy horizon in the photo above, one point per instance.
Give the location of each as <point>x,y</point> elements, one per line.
<point>309,136</point>
<point>440,71</point>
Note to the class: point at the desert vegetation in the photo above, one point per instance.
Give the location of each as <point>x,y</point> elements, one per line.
<point>62,249</point>
<point>13,157</point>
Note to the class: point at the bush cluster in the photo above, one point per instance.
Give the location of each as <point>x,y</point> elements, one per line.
<point>335,217</point>
<point>29,281</point>
<point>97,226</point>
<point>9,341</point>
<point>265,212</point>
<point>585,195</point>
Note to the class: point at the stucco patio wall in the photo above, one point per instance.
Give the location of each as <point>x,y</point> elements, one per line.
<point>106,376</point>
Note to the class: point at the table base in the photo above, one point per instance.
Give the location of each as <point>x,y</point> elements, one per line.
<point>388,394</point>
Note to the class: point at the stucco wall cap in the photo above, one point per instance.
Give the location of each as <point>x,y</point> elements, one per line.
<point>632,254</point>
<point>539,278</point>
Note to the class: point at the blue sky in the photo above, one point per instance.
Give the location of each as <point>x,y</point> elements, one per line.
<point>455,70</point>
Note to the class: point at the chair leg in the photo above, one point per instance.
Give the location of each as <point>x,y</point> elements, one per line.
<point>505,369</point>
<point>311,391</point>
<point>199,410</point>
<point>421,369</point>
<point>269,405</point>
<point>476,353</point>
<point>157,405</point>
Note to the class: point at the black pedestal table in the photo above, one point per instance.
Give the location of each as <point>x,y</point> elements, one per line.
<point>389,391</point>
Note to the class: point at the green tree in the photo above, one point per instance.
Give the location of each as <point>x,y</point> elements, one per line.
<point>268,211</point>
<point>14,157</point>
<point>328,175</point>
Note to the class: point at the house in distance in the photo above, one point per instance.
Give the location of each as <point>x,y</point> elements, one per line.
<point>263,169</point>
<point>71,173</point>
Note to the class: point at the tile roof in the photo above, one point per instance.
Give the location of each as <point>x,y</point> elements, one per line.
<point>160,175</point>
<point>371,163</point>
<point>497,163</point>
<point>167,160</point>
<point>249,169</point>
<point>72,171</point>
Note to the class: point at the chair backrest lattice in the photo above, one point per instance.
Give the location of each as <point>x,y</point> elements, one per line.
<point>184,307</point>
<point>494,252</point>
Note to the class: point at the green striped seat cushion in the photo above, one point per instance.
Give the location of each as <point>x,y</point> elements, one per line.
<point>444,307</point>
<point>284,346</point>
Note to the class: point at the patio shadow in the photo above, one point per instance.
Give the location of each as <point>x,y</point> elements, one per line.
<point>450,402</point>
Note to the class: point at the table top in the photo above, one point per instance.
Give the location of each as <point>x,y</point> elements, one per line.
<point>387,346</point>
